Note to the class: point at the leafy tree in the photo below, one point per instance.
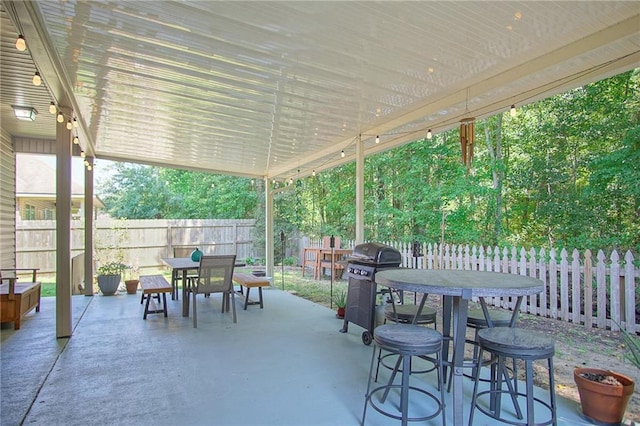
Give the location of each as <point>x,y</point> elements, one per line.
<point>563,159</point>
<point>135,192</point>
<point>563,172</point>
<point>144,192</point>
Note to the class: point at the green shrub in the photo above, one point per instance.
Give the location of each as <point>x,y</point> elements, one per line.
<point>112,268</point>
<point>290,261</point>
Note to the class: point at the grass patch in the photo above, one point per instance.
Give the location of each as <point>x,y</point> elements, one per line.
<point>48,289</point>
<point>305,287</point>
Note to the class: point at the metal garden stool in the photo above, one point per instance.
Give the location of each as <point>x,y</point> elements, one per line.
<point>405,314</point>
<point>477,321</point>
<point>406,340</point>
<point>519,344</point>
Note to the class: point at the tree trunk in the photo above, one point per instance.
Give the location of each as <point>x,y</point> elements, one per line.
<point>493,137</point>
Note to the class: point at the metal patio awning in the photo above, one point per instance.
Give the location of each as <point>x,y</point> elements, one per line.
<point>279,89</point>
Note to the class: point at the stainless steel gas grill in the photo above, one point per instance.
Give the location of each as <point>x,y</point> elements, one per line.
<point>366,260</point>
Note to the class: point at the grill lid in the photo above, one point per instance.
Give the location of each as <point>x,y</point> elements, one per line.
<point>376,253</point>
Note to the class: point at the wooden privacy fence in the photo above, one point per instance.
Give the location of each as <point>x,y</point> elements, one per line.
<point>595,292</point>
<point>139,243</point>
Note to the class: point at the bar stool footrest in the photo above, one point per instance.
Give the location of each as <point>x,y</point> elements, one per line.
<point>373,403</point>
<point>384,364</point>
<point>483,407</point>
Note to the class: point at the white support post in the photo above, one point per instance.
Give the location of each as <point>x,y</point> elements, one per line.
<point>268,217</point>
<point>359,191</point>
<point>63,230</point>
<point>88,228</point>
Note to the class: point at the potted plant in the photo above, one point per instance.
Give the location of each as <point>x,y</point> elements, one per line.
<point>604,394</point>
<point>132,283</point>
<point>340,300</point>
<point>109,276</point>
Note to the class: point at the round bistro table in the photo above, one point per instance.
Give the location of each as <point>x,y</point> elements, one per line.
<point>457,288</point>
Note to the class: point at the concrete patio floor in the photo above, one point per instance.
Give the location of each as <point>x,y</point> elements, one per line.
<point>286,364</point>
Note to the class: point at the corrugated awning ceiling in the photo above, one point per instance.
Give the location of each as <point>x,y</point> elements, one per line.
<point>265,89</point>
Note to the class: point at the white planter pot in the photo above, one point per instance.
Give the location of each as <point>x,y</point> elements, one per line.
<point>109,284</point>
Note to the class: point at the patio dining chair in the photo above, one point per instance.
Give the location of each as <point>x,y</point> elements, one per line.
<point>214,276</point>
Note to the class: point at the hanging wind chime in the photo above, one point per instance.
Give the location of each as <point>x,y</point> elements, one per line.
<point>467,137</point>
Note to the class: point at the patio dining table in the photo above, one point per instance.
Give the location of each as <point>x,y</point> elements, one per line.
<point>457,288</point>
<point>185,264</point>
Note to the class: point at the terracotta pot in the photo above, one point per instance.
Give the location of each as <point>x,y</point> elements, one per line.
<point>132,286</point>
<point>600,401</point>
<point>340,313</point>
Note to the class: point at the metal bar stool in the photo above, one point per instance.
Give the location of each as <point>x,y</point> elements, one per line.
<point>406,340</point>
<point>519,344</point>
<point>405,314</point>
<point>477,321</point>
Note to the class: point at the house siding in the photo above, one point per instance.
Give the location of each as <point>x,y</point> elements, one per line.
<point>7,202</point>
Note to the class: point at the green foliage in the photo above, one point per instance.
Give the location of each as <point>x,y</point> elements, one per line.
<point>340,298</point>
<point>633,348</point>
<point>562,173</point>
<point>290,261</point>
<point>112,268</point>
<point>48,289</point>
<point>569,182</point>
<point>253,261</point>
<point>632,344</point>
<point>144,192</point>
<point>135,192</point>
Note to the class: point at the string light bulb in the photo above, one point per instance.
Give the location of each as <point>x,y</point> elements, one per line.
<point>512,111</point>
<point>75,122</point>
<point>76,140</point>
<point>377,139</point>
<point>69,125</point>
<point>82,154</point>
<point>89,167</point>
<point>37,80</point>
<point>342,154</point>
<point>429,134</point>
<point>313,173</point>
<point>21,43</point>
<point>60,118</point>
<point>52,108</point>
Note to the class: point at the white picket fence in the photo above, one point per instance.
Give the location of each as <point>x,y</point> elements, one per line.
<point>597,292</point>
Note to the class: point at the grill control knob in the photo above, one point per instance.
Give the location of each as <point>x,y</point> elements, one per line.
<point>364,273</point>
